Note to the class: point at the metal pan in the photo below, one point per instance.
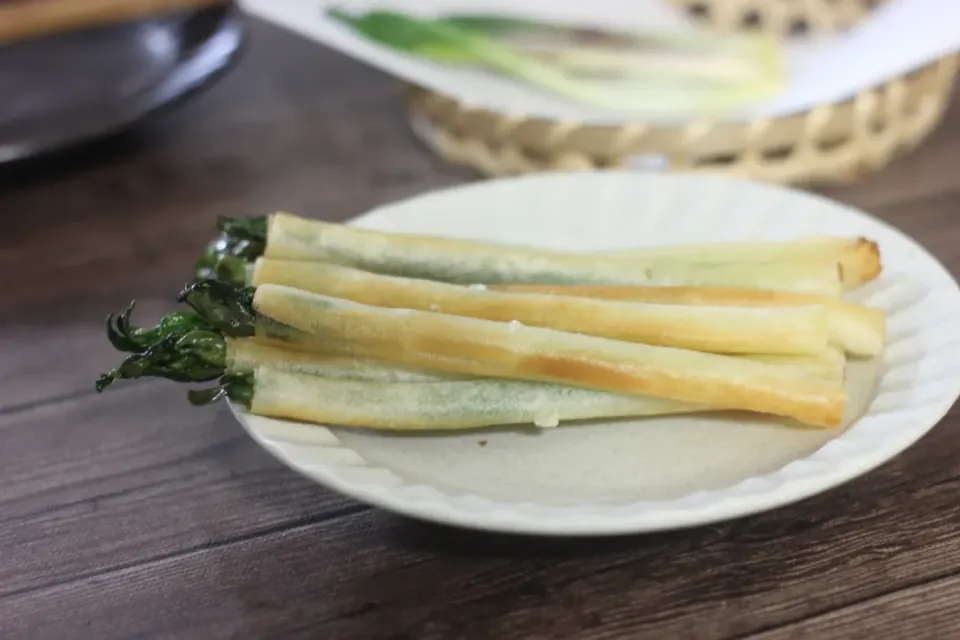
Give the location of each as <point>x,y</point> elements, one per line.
<point>62,90</point>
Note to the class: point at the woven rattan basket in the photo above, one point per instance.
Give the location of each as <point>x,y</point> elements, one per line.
<point>779,16</point>
<point>829,143</point>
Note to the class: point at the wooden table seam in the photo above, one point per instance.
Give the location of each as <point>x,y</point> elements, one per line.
<point>291,525</point>
<point>14,409</point>
<point>764,632</point>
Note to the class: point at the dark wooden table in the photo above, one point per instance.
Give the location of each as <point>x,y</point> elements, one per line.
<point>132,514</point>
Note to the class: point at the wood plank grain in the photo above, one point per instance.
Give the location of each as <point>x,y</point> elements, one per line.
<point>193,528</point>
<point>97,483</point>
<point>928,610</point>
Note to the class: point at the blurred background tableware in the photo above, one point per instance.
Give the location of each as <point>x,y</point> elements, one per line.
<point>76,70</point>
<point>830,142</point>
<point>863,82</point>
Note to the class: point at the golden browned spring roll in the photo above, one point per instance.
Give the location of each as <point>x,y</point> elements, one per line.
<point>859,258</point>
<point>290,351</point>
<point>303,385</point>
<point>857,329</point>
<point>511,350</point>
<point>775,329</point>
<point>290,237</point>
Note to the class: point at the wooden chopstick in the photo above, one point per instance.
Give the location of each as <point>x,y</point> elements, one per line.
<point>26,19</point>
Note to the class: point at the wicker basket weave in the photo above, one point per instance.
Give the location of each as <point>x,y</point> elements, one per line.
<point>829,143</point>
<point>779,16</point>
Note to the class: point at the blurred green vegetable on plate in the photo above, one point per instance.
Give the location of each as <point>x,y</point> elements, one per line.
<point>698,71</point>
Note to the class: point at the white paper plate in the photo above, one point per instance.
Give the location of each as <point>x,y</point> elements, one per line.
<point>643,475</point>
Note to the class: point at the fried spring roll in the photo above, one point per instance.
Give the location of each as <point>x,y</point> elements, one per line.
<point>717,329</point>
<point>859,258</point>
<point>292,354</point>
<point>449,405</point>
<point>857,329</point>
<point>828,364</point>
<point>511,350</point>
<point>290,237</point>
